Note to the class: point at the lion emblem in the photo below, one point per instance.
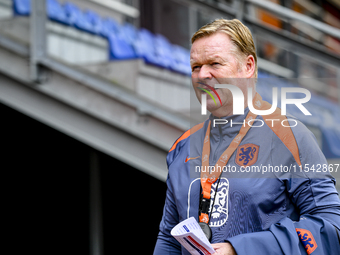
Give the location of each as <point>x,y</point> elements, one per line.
<point>247,154</point>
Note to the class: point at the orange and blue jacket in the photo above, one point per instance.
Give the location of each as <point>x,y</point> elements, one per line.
<point>276,194</point>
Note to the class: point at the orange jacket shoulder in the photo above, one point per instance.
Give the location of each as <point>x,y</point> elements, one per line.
<point>187,134</point>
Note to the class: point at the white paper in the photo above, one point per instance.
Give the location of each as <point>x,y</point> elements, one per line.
<point>189,234</point>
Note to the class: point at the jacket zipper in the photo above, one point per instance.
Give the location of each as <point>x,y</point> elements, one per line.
<point>218,146</point>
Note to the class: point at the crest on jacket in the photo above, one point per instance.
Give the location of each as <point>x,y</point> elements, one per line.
<point>307,240</point>
<point>247,154</point>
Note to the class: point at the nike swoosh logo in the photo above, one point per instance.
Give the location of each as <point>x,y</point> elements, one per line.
<point>187,159</point>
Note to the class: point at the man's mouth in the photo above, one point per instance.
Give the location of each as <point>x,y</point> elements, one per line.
<point>209,93</point>
<point>207,89</point>
<point>210,90</point>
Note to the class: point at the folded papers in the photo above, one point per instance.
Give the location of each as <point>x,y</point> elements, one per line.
<point>190,235</point>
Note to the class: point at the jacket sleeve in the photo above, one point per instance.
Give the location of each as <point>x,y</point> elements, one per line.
<point>311,235</point>
<point>166,243</point>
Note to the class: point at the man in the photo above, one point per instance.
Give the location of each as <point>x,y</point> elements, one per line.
<point>287,211</point>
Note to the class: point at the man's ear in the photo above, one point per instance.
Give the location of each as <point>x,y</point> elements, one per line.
<point>250,66</point>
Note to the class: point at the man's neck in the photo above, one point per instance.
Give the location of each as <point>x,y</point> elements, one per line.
<point>228,109</point>
<point>221,112</point>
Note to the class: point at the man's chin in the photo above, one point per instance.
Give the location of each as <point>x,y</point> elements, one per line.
<point>212,108</point>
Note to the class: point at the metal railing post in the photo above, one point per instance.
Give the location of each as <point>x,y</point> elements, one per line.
<point>37,37</point>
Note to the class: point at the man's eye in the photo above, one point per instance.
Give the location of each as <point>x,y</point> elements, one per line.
<point>195,67</point>
<point>215,63</point>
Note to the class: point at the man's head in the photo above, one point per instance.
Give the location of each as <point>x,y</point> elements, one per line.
<point>223,52</point>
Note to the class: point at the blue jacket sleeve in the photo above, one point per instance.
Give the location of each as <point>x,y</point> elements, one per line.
<point>311,235</point>
<point>166,243</point>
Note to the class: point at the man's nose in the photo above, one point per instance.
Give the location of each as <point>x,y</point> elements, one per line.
<point>204,73</point>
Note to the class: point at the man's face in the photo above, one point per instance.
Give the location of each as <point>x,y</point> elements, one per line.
<point>213,61</point>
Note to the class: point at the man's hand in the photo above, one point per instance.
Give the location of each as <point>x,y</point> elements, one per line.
<point>223,249</point>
